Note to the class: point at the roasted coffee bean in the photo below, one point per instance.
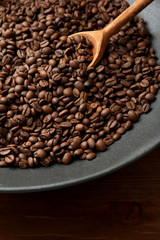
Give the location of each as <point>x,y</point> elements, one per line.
<point>4,151</point>
<point>37,107</point>
<point>66,124</point>
<point>3,43</point>
<point>83,107</point>
<point>121,130</point>
<point>109,141</point>
<point>100,145</point>
<point>9,159</point>
<point>19,80</point>
<point>8,33</point>
<point>105,112</point>
<point>53,108</point>
<point>23,163</point>
<point>43,74</point>
<point>116,136</point>
<point>30,95</point>
<point>90,156</point>
<point>78,152</point>
<point>46,50</point>
<point>150,97</point>
<point>128,125</point>
<point>3,108</point>
<point>67,158</point>
<point>3,100</point>
<point>79,127</point>
<point>67,92</point>
<point>40,153</point>
<point>84,145</point>
<point>33,139</point>
<point>79,85</point>
<point>3,163</point>
<point>76,142</point>
<point>30,161</point>
<point>91,143</point>
<point>31,60</point>
<point>133,116</point>
<point>74,64</point>
<point>47,109</point>
<point>146,108</point>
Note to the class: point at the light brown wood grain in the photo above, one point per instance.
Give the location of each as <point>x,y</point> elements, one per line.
<point>124,205</point>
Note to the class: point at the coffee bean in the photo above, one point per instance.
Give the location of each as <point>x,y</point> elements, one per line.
<point>4,151</point>
<point>100,145</point>
<point>121,130</point>
<point>47,109</point>
<point>52,62</point>
<point>152,62</point>
<point>146,108</point>
<point>130,105</point>
<point>65,124</point>
<point>31,60</point>
<point>76,142</point>
<point>30,162</point>
<point>19,80</point>
<point>33,139</point>
<point>109,141</point>
<point>3,163</point>
<point>46,50</point>
<point>79,127</point>
<point>43,74</point>
<point>56,148</point>
<point>150,97</point>
<point>74,64</point>
<point>111,82</point>
<point>37,107</point>
<point>79,85</point>
<point>8,33</point>
<point>3,43</point>
<point>67,158</point>
<point>90,156</point>
<point>59,53</point>
<point>116,136</point>
<point>43,84</point>
<point>78,152</point>
<point>84,145</point>
<point>91,143</point>
<point>40,153</point>
<point>105,112</point>
<point>9,159</point>
<point>3,100</point>
<point>128,125</point>
<point>30,95</point>
<point>3,108</point>
<point>133,116</point>
<point>130,93</point>
<point>112,124</point>
<point>23,164</point>
<point>18,88</point>
<point>67,92</point>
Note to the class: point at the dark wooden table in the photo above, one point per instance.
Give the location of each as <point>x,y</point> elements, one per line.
<point>122,206</point>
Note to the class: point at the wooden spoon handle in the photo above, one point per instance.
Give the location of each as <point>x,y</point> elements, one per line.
<point>125,17</point>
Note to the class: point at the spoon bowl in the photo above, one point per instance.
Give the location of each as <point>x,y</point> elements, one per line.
<point>99,42</point>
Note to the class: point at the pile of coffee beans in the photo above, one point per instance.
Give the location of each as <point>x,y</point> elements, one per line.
<point>52,107</point>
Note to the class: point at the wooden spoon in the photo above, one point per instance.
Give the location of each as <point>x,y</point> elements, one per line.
<point>100,38</point>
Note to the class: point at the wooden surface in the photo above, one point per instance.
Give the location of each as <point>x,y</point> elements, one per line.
<point>122,206</point>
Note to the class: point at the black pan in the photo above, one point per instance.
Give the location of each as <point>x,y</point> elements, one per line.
<point>134,144</point>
